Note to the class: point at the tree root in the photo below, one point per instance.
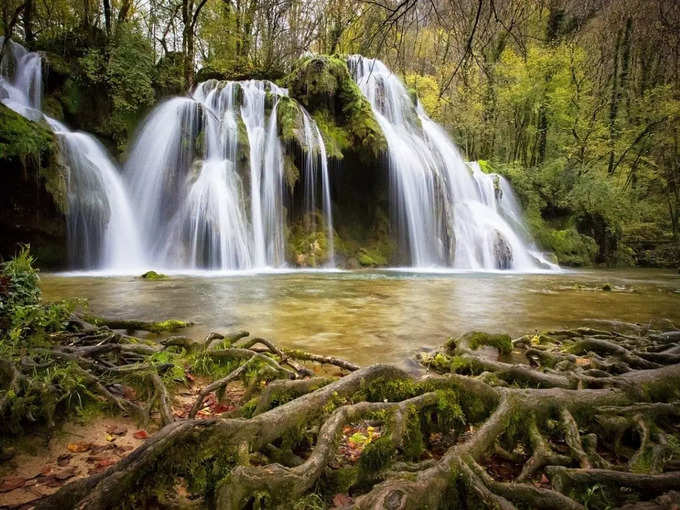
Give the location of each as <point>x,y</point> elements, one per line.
<point>538,421</point>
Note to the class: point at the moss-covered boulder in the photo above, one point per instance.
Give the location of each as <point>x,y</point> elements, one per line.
<point>33,201</point>
<point>323,84</point>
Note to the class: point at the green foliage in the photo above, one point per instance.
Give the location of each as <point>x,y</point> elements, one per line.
<point>310,502</point>
<point>376,455</point>
<point>449,411</point>
<point>124,67</point>
<point>19,282</point>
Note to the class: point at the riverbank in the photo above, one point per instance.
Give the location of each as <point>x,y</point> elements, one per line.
<point>102,412</point>
<point>231,420</point>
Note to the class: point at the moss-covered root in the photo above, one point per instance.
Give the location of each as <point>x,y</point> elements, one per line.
<point>167,325</point>
<point>447,440</point>
<point>284,484</point>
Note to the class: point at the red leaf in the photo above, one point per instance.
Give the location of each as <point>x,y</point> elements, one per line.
<point>221,408</point>
<point>104,463</point>
<point>140,434</point>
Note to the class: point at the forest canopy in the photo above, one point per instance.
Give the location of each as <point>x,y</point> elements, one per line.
<point>577,102</point>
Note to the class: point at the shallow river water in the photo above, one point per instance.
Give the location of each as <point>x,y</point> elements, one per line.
<point>379,315</point>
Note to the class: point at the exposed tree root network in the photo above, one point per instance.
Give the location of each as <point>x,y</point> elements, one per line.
<point>568,419</point>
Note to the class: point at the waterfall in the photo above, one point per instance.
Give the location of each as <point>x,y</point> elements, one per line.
<point>202,203</point>
<point>446,212</point>
<point>203,186</point>
<point>316,157</point>
<point>100,226</point>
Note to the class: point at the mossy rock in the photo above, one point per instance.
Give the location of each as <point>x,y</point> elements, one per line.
<point>21,138</point>
<point>290,122</point>
<point>209,73</point>
<point>33,200</point>
<point>569,246</point>
<point>153,275</point>
<point>323,84</point>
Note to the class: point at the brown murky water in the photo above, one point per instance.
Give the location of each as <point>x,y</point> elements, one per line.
<point>379,316</point>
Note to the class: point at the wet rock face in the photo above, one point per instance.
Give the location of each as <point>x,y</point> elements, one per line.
<point>503,253</point>
<point>33,195</point>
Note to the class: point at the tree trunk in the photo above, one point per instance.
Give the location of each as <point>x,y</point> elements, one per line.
<point>28,22</point>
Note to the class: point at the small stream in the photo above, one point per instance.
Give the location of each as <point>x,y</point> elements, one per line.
<point>371,316</point>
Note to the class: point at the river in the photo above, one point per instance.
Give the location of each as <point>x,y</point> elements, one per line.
<point>371,316</point>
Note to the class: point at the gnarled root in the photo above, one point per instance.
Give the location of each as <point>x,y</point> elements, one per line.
<point>520,445</point>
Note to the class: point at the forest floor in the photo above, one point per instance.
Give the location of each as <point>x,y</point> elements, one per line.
<point>567,419</point>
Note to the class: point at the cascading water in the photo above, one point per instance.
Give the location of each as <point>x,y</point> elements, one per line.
<point>191,185</point>
<point>206,175</point>
<point>316,154</point>
<point>447,213</point>
<point>101,230</point>
<point>21,80</point>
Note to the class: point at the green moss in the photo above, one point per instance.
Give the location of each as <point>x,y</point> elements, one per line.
<point>153,275</point>
<point>324,85</point>
<point>376,455</point>
<point>21,138</point>
<point>307,248</point>
<point>31,145</point>
<point>291,172</point>
<point>414,445</point>
<point>475,339</point>
<point>290,123</point>
<point>371,258</point>
<point>570,247</point>
<point>449,410</point>
<point>168,325</point>
<point>243,144</point>
<point>392,390</point>
<point>339,481</point>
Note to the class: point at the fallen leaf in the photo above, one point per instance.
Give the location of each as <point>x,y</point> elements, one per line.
<point>544,479</point>
<point>96,449</point>
<point>11,482</point>
<point>64,459</point>
<point>65,474</point>
<point>222,408</point>
<point>140,434</point>
<point>104,463</point>
<point>116,430</point>
<point>341,500</point>
<point>189,377</point>
<point>110,438</point>
<point>79,447</point>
